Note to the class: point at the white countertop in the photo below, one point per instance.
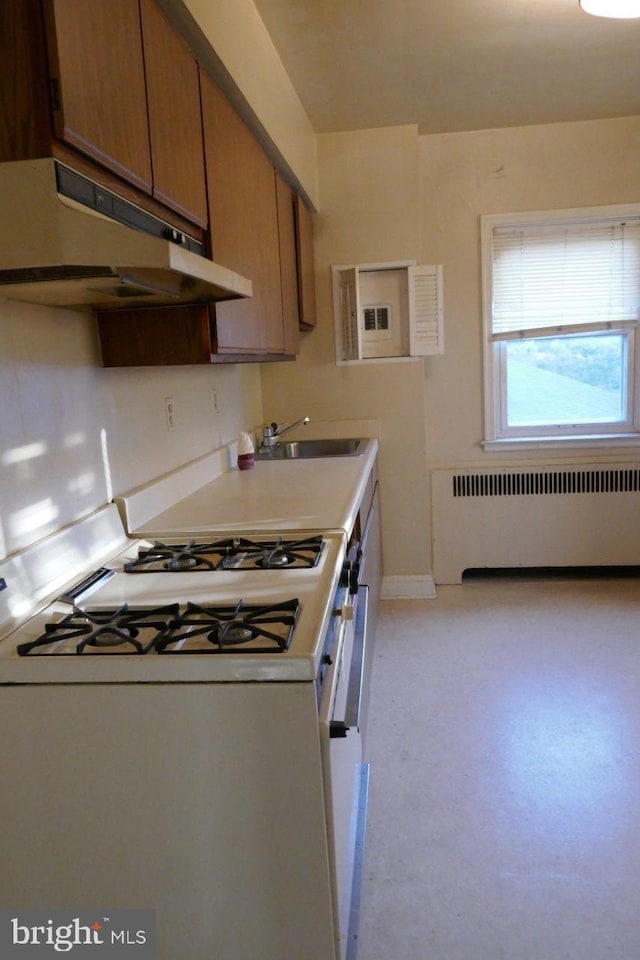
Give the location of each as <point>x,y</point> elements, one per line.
<point>303,495</point>
<point>319,495</point>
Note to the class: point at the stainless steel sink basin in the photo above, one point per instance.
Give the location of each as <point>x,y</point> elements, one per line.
<point>307,449</point>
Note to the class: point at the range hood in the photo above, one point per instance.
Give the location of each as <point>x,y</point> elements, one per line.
<point>68,242</point>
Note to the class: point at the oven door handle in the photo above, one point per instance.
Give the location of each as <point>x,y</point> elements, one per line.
<point>340,728</point>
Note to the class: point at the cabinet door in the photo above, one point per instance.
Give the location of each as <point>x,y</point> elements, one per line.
<point>175,124</point>
<point>97,73</point>
<point>288,266</point>
<point>306,269</point>
<point>25,130</point>
<point>155,336</point>
<point>243,224</point>
<point>346,298</point>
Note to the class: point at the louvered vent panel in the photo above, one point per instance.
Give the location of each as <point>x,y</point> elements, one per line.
<point>426,312</point>
<point>545,482</point>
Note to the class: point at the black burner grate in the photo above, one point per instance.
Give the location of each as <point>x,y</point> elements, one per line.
<point>115,631</point>
<point>233,628</point>
<point>239,628</point>
<point>234,553</point>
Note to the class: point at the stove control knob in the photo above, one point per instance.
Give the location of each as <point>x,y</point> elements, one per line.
<point>326,658</point>
<point>347,612</point>
<point>350,576</point>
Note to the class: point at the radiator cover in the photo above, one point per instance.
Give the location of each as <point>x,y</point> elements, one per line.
<point>565,515</point>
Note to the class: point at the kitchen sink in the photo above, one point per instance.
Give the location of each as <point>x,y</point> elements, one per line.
<point>308,449</point>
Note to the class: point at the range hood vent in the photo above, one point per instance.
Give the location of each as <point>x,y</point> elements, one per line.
<point>68,242</point>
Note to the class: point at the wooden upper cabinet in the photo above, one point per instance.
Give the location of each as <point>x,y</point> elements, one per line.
<point>306,270</point>
<point>98,83</point>
<point>243,225</point>
<point>175,123</point>
<point>25,125</point>
<point>125,92</point>
<point>155,336</point>
<point>288,266</point>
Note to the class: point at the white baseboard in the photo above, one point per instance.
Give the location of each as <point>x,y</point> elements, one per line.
<point>408,588</point>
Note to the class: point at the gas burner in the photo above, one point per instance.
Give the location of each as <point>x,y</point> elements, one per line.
<point>181,562</point>
<point>234,633</point>
<point>105,631</point>
<point>278,554</point>
<point>275,554</point>
<point>275,559</point>
<point>235,553</point>
<point>243,628</point>
<point>178,557</point>
<point>111,636</point>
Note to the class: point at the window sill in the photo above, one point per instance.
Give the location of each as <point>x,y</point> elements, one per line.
<point>568,443</point>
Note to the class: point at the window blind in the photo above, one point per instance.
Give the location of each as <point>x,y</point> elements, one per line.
<point>565,277</point>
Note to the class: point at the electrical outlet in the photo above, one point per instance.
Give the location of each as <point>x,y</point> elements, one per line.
<point>214,401</point>
<point>169,412</point>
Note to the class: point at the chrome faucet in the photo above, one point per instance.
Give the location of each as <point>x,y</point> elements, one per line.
<point>272,432</point>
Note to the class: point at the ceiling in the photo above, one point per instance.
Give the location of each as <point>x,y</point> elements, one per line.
<point>452,65</point>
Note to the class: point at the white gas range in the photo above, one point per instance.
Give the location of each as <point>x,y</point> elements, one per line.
<point>249,607</point>
<point>177,735</point>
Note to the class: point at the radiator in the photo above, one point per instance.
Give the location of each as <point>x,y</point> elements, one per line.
<point>561,516</point>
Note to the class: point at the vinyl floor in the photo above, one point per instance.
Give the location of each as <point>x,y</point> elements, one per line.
<point>504,743</point>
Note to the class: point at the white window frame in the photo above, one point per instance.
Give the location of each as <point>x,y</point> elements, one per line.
<point>497,432</point>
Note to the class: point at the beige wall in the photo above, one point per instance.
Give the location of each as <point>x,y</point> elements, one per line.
<point>388,194</point>
<point>369,192</point>
<point>464,175</point>
<point>237,34</point>
<point>73,434</point>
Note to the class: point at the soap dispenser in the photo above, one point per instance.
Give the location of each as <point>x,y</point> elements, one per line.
<point>246,452</point>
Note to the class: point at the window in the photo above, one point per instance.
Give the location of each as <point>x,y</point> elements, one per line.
<point>561,311</point>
